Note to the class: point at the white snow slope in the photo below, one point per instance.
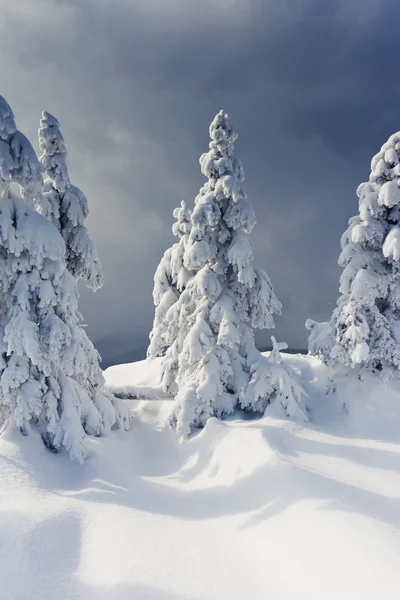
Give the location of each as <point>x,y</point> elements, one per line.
<point>247,509</point>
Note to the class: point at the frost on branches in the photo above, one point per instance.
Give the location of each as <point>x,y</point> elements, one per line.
<point>66,205</point>
<point>170,279</point>
<point>364,328</point>
<point>212,322</point>
<point>40,339</point>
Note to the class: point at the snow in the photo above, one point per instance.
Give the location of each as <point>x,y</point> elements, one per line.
<point>247,508</point>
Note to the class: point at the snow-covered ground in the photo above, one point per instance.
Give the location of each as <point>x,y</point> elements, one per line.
<point>246,509</point>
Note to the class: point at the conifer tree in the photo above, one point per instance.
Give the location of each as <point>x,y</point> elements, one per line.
<point>170,279</point>
<point>226,297</point>
<point>40,337</point>
<point>364,328</point>
<point>66,205</point>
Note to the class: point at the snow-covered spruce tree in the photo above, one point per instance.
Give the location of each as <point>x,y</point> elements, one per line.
<point>66,205</point>
<point>364,327</point>
<point>38,328</point>
<point>170,279</point>
<point>226,297</point>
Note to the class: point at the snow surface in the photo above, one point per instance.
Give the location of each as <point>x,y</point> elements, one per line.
<point>255,509</point>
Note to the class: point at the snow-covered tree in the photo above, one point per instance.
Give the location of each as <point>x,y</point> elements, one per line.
<point>170,279</point>
<point>226,297</point>
<point>364,328</point>
<point>66,205</point>
<point>274,380</point>
<point>44,357</point>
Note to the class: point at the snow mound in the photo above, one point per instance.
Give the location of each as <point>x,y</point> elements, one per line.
<point>246,508</point>
<point>136,380</point>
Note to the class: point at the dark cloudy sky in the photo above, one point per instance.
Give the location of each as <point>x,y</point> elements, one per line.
<point>312,87</point>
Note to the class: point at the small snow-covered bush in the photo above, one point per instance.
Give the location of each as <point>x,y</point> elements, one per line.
<point>271,379</point>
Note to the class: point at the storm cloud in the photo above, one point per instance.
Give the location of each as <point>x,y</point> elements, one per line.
<point>311,87</point>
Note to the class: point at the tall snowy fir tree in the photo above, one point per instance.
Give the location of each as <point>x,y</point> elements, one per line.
<point>66,205</point>
<point>39,334</point>
<point>225,298</point>
<point>364,330</point>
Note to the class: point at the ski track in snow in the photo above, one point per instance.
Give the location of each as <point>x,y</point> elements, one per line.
<point>257,509</point>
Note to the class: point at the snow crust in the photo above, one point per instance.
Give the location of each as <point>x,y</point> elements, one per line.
<point>259,509</point>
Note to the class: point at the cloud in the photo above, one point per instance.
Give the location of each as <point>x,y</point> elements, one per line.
<point>310,87</point>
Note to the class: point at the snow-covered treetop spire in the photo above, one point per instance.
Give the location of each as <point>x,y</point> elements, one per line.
<point>66,205</point>
<point>52,144</point>
<point>222,135</point>
<point>7,121</point>
<point>7,129</point>
<point>220,164</point>
<point>18,160</point>
<point>222,217</point>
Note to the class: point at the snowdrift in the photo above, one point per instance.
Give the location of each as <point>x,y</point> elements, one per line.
<point>247,508</point>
